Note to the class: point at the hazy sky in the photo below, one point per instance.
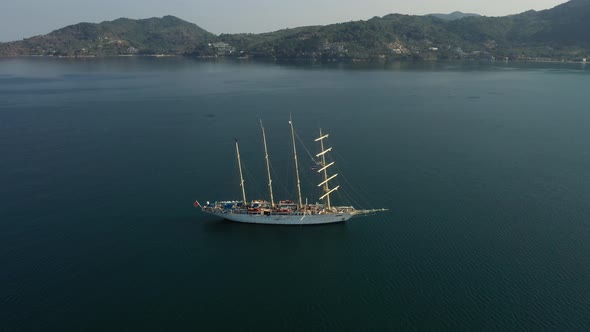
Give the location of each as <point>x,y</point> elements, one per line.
<point>25,18</point>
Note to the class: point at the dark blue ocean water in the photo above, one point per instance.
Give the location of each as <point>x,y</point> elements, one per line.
<point>485,168</point>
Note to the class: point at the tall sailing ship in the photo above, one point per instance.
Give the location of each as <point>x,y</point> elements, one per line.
<point>287,212</point>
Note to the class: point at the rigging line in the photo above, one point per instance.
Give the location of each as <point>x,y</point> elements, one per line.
<point>357,193</point>
<point>289,170</point>
<point>236,179</point>
<point>339,197</point>
<point>351,200</point>
<point>340,161</point>
<point>280,183</point>
<point>305,148</point>
<point>254,186</point>
<point>356,190</point>
<point>342,196</point>
<point>308,181</point>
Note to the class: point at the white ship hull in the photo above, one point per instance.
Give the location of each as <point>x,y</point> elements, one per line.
<point>291,219</point>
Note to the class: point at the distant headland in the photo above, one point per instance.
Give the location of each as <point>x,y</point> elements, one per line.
<point>557,34</point>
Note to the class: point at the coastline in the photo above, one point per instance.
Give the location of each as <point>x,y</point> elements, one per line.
<point>296,60</point>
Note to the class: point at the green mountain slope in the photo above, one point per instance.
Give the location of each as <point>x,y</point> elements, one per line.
<point>553,33</point>
<point>453,16</point>
<point>167,35</point>
<point>557,33</point>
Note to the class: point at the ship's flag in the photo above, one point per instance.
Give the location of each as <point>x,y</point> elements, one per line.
<point>196,204</point>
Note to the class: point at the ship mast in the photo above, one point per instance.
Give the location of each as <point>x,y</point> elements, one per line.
<point>296,164</point>
<point>272,201</point>
<point>241,176</point>
<point>324,169</point>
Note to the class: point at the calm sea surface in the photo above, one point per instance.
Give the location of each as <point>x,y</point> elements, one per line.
<point>485,168</point>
